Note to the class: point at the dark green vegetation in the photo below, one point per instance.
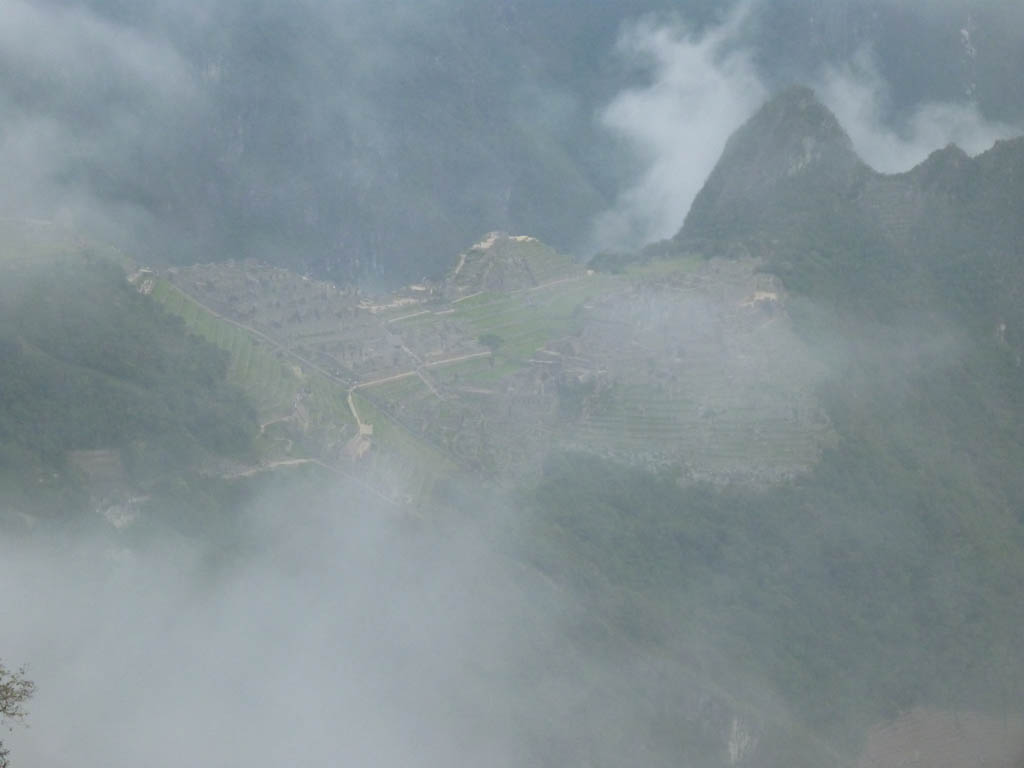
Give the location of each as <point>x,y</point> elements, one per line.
<point>940,242</point>
<point>886,577</point>
<point>98,383</point>
<point>889,576</point>
<point>15,690</point>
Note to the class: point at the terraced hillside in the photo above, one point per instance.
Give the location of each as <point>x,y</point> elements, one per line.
<point>307,413</point>
<point>685,364</point>
<point>103,397</point>
<point>502,263</point>
<point>699,370</point>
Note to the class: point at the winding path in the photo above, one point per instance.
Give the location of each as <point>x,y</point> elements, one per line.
<point>360,424</point>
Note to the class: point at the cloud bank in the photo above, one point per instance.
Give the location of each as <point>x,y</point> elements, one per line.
<point>353,138</point>
<point>859,96</point>
<point>83,100</point>
<point>335,640</point>
<point>702,87</point>
<point>334,635</point>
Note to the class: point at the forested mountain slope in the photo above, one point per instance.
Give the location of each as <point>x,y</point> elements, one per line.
<point>943,239</point>
<point>886,578</point>
<point>101,388</point>
<point>769,623</point>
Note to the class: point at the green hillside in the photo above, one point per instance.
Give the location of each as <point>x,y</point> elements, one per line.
<point>888,577</point>
<point>90,365</point>
<point>769,468</point>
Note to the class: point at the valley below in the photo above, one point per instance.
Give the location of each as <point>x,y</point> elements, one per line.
<point>682,364</point>
<point>749,496</point>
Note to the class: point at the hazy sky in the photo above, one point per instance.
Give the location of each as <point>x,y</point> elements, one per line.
<point>358,138</point>
<point>381,138</point>
<point>701,86</point>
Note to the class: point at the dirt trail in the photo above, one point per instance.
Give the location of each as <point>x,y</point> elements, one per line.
<point>384,380</point>
<point>412,354</point>
<point>461,264</point>
<point>409,317</point>
<point>268,467</point>
<point>278,420</point>
<point>360,424</point>
<point>555,282</point>
<point>355,413</point>
<point>430,385</point>
<point>418,371</point>
<point>460,358</point>
<point>364,384</point>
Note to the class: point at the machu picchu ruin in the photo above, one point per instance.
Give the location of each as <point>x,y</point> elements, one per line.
<point>687,364</point>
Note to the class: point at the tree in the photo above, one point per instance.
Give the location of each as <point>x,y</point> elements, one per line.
<point>492,341</point>
<point>15,690</point>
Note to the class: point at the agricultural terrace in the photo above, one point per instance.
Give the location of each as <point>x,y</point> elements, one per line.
<point>667,363</point>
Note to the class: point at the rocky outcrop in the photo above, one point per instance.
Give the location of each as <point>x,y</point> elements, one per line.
<point>793,150</point>
<point>501,262</point>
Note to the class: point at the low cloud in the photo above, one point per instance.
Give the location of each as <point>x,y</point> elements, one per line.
<point>336,639</point>
<point>69,49</point>
<point>85,100</point>
<point>859,96</point>
<point>701,88</point>
<point>325,628</point>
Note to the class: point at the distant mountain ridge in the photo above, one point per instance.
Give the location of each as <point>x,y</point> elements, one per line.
<point>793,146</point>
<point>818,467</point>
<point>791,189</point>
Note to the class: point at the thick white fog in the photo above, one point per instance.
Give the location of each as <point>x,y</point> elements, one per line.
<point>68,60</point>
<point>324,630</point>
<point>699,88</point>
<point>335,639</point>
<point>859,96</point>
<point>171,128</point>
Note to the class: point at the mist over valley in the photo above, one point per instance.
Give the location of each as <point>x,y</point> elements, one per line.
<point>513,384</point>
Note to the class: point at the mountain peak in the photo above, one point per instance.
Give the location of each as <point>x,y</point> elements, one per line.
<point>502,262</point>
<point>798,107</point>
<point>790,134</point>
<point>792,149</point>
<point>941,168</point>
